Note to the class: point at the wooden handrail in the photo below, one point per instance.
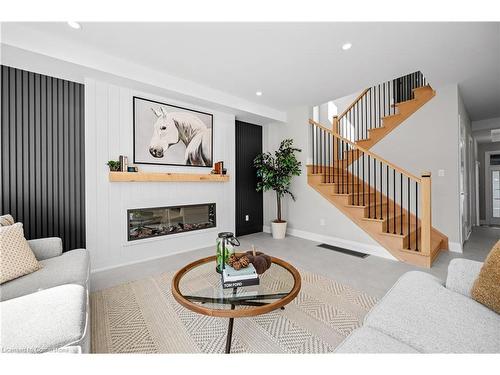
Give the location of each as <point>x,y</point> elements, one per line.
<point>354,103</point>
<point>362,149</point>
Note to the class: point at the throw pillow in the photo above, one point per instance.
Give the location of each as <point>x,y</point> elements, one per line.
<point>486,288</point>
<point>6,220</point>
<point>16,257</point>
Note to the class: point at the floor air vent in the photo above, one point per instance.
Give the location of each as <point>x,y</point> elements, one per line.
<point>344,251</point>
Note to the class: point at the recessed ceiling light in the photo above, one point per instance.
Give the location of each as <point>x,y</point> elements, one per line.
<point>74,25</point>
<point>258,93</point>
<point>346,46</point>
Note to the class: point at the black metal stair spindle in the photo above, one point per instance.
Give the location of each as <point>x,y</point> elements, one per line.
<point>363,180</point>
<point>328,158</point>
<point>313,138</point>
<point>349,124</point>
<point>383,97</point>
<point>357,171</point>
<point>337,158</point>
<point>352,172</point>
<point>409,213</point>
<point>347,167</point>
<point>369,184</point>
<point>316,141</point>
<point>312,147</point>
<point>357,121</point>
<point>342,171</point>
<point>323,152</point>
<point>387,198</point>
<point>365,131</point>
<point>416,216</point>
<point>401,204</point>
<point>379,116</point>
<point>372,117</point>
<point>324,155</point>
<point>320,140</point>
<point>381,199</point>
<point>375,186</point>
<point>394,196</point>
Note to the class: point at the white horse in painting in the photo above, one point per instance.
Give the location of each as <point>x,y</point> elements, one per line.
<point>172,127</point>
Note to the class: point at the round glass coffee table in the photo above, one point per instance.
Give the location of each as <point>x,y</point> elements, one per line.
<point>198,287</point>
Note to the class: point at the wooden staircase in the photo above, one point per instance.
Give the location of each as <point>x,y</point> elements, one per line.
<point>390,204</point>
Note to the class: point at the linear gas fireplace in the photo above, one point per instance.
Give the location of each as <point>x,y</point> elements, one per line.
<point>161,221</point>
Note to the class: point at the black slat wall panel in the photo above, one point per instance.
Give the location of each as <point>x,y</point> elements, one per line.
<point>248,201</point>
<point>42,157</point>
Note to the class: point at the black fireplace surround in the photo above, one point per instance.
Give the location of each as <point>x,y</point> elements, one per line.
<point>161,221</point>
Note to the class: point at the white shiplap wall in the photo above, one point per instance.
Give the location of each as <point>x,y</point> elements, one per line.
<point>108,133</point>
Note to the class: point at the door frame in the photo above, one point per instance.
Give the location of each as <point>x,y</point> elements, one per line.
<point>487,186</point>
<point>463,182</point>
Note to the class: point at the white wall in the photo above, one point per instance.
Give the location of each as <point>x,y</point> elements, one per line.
<point>427,141</point>
<point>108,117</point>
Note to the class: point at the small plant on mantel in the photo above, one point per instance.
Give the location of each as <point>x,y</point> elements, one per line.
<point>275,173</point>
<point>114,166</point>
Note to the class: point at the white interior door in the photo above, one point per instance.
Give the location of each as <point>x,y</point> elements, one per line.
<point>494,198</point>
<point>464,212</point>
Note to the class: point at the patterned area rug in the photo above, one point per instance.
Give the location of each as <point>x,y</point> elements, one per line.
<point>143,317</point>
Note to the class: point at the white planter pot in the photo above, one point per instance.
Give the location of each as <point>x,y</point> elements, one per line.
<point>278,230</point>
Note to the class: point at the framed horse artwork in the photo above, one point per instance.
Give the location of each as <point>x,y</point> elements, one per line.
<point>166,134</point>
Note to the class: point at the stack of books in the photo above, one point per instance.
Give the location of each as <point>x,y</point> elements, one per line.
<point>232,278</point>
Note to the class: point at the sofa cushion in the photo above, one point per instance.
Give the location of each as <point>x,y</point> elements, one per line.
<point>369,340</point>
<point>486,288</point>
<point>71,267</point>
<point>422,313</point>
<point>45,248</point>
<point>44,321</point>
<point>461,275</point>
<point>6,220</point>
<point>17,259</point>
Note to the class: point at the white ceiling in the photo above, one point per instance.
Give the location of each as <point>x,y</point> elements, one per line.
<point>301,63</point>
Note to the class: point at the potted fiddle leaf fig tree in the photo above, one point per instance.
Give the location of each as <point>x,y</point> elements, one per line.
<point>275,173</point>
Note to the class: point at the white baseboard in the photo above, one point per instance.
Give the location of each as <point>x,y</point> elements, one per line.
<point>340,242</point>
<point>142,260</point>
<point>456,247</point>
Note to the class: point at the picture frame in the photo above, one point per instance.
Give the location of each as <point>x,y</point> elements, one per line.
<point>167,134</point>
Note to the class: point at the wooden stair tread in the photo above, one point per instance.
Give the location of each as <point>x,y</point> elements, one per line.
<point>365,206</point>
<point>435,242</point>
<point>394,115</point>
<point>410,101</point>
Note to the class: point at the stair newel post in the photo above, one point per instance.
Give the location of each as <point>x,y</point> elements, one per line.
<point>335,123</point>
<point>426,219</point>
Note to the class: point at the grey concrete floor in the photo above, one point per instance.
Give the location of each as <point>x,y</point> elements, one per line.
<point>373,275</point>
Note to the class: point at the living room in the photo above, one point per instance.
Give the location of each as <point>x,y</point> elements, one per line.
<point>249,187</point>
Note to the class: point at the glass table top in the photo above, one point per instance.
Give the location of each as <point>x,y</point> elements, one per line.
<point>202,285</point>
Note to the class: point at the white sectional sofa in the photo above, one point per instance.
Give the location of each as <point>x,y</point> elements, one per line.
<point>48,310</point>
<point>421,314</point>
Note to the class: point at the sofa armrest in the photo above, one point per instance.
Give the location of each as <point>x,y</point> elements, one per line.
<point>45,248</point>
<point>461,275</point>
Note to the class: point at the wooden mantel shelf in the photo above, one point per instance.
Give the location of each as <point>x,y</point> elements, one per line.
<point>165,177</point>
